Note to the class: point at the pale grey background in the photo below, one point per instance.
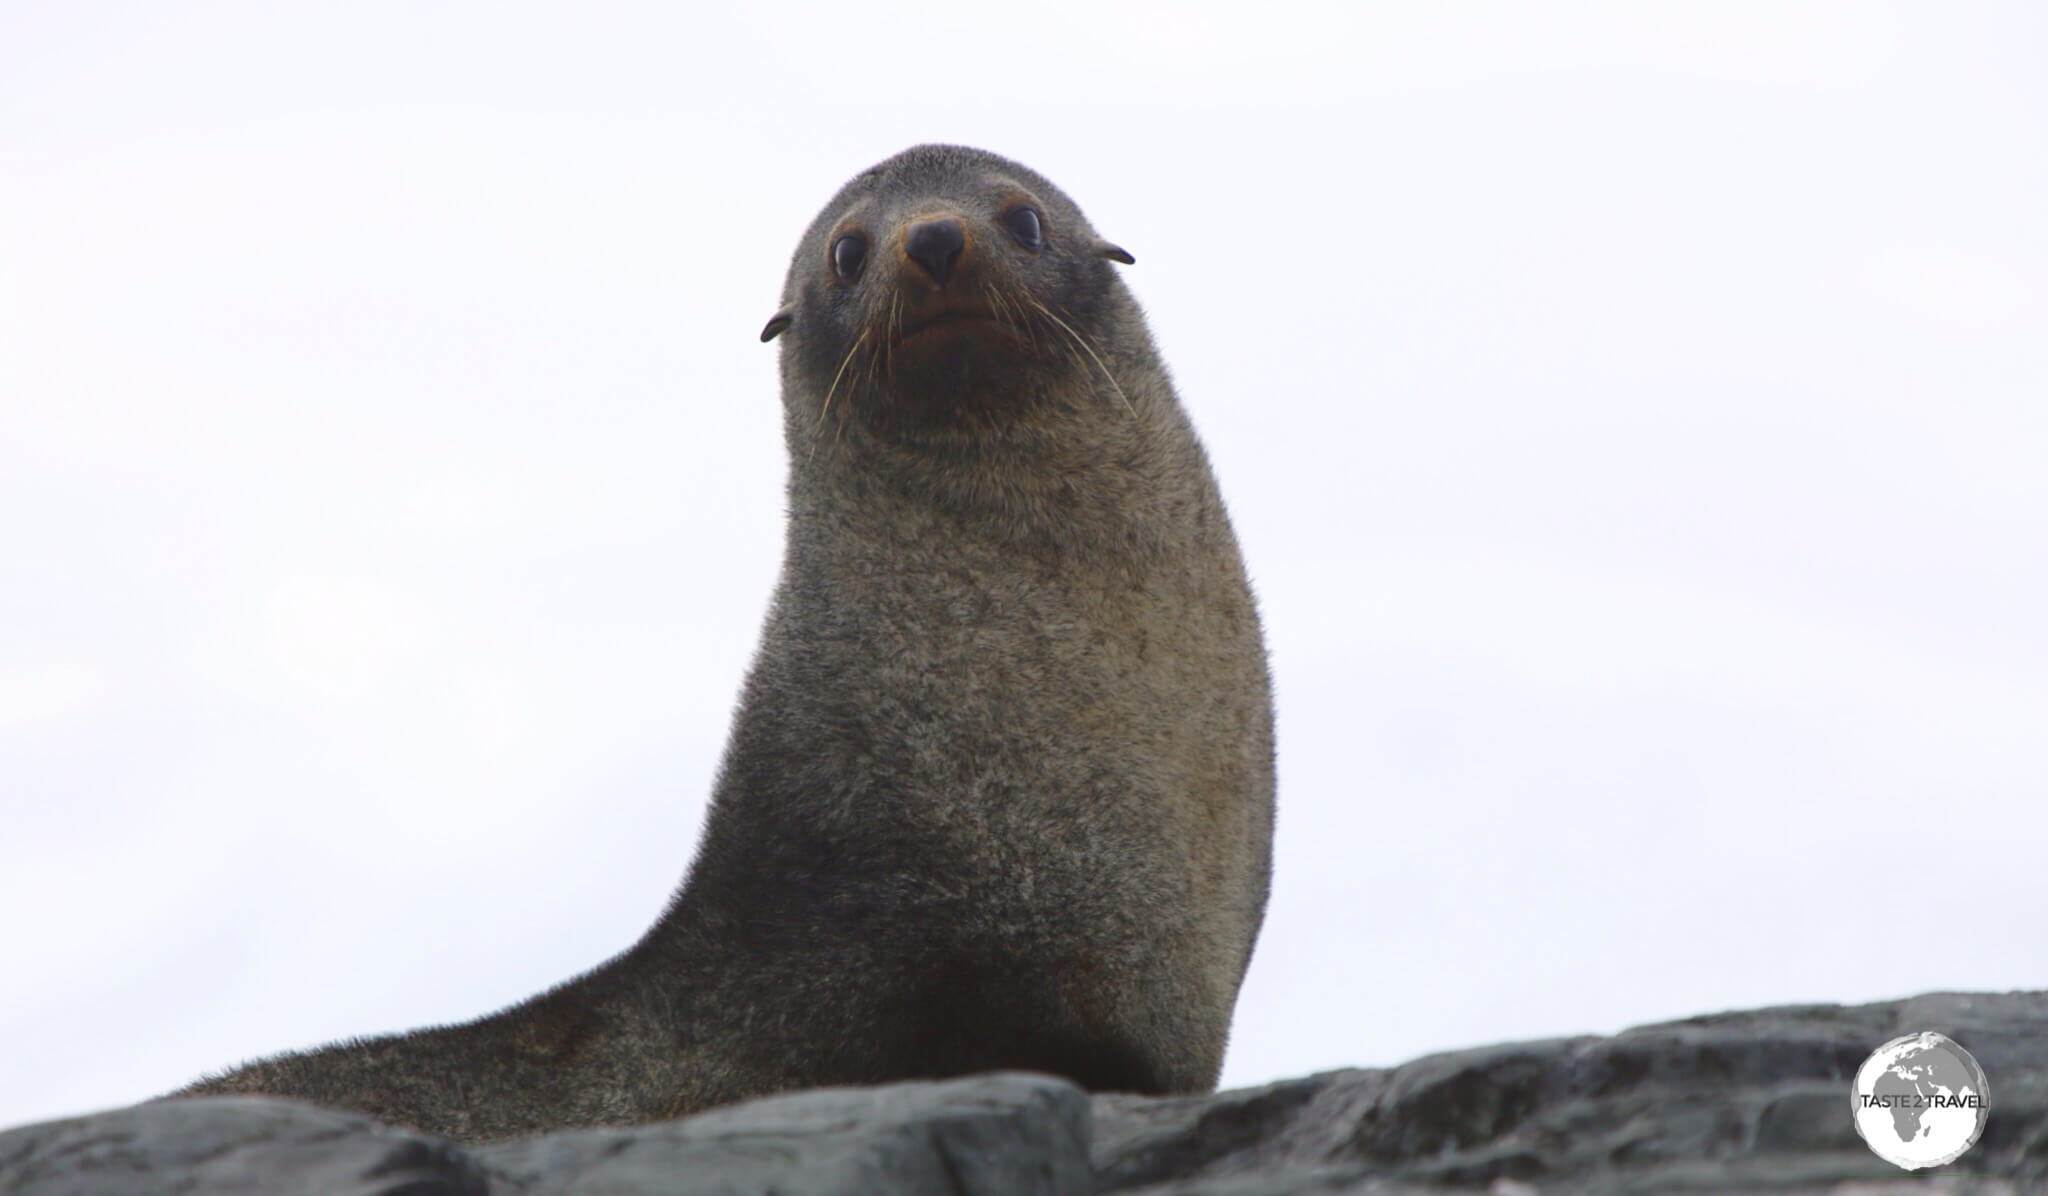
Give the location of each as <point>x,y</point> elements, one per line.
<point>1633,415</point>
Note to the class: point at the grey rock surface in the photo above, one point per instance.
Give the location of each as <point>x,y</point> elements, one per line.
<point>1734,1102</point>
<point>998,1133</point>
<point>984,1134</point>
<point>230,1146</point>
<point>1737,1102</point>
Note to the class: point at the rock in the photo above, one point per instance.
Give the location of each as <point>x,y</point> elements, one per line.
<point>997,1133</point>
<point>1735,1102</point>
<point>984,1134</point>
<point>229,1146</point>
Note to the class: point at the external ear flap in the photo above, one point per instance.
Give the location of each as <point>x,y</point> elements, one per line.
<point>776,323</point>
<point>1114,253</point>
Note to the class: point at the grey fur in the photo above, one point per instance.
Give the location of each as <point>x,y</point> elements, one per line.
<point>999,790</point>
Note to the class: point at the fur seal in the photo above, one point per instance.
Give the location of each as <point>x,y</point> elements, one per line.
<point>999,790</point>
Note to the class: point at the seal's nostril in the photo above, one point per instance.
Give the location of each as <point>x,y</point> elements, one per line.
<point>935,245</point>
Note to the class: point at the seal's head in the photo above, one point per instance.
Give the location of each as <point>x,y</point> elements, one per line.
<point>946,290</point>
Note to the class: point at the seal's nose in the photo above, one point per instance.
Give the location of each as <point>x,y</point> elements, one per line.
<point>935,245</point>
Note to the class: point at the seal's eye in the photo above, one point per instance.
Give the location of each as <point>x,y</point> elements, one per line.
<point>1023,225</point>
<point>848,252</point>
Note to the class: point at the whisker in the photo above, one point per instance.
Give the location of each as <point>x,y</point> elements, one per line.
<point>1083,342</point>
<point>1012,317</point>
<point>833,389</point>
<point>895,333</point>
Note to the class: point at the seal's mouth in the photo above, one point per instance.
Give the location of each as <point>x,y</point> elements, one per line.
<point>951,322</point>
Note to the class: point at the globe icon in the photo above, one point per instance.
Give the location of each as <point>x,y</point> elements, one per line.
<point>1920,1101</point>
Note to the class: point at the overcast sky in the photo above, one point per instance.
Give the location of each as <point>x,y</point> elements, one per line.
<point>1635,418</point>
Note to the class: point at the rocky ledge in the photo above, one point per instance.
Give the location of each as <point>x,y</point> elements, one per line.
<point>1735,1102</point>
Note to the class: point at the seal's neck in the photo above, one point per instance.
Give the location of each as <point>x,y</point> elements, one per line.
<point>1102,476</point>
